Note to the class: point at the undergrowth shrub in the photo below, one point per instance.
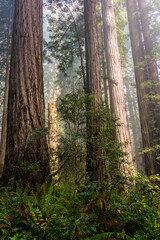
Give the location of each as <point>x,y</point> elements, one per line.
<point>71,151</point>
<point>77,208</point>
<point>89,211</point>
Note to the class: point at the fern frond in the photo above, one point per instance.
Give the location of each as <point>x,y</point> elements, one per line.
<point>109,236</point>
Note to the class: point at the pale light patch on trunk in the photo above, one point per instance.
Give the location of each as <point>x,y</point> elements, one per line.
<point>52,137</point>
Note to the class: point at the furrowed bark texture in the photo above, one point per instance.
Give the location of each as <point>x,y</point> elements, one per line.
<point>141,79</point>
<point>93,85</point>
<point>94,164</point>
<point>151,62</point>
<point>153,79</point>
<point>117,97</point>
<point>26,100</point>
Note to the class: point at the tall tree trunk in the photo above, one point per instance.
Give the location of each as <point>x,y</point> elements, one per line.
<point>5,102</point>
<point>26,149</point>
<point>117,97</point>
<point>153,79</point>
<point>93,72</point>
<point>104,68</point>
<point>151,61</point>
<point>137,138</point>
<point>94,164</point>
<point>105,85</point>
<point>139,63</point>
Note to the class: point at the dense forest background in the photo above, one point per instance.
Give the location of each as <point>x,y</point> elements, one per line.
<point>79,119</point>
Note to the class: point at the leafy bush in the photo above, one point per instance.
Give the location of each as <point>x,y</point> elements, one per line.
<point>89,211</point>
<point>78,208</point>
<point>80,129</point>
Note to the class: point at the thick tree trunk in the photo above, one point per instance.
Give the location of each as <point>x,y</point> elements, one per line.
<point>26,150</point>
<point>5,102</point>
<point>94,164</point>
<point>117,97</point>
<point>93,72</point>
<point>153,79</point>
<point>141,79</point>
<point>151,62</point>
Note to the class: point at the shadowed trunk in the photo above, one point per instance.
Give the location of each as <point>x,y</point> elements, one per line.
<point>26,149</point>
<point>94,164</point>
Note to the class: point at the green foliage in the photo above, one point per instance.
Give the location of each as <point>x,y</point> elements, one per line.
<point>66,43</point>
<point>71,152</point>
<point>36,134</point>
<point>27,168</point>
<point>66,32</point>
<point>89,211</point>
<point>110,235</point>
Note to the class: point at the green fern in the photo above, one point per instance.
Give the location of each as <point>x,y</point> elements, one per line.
<point>110,236</point>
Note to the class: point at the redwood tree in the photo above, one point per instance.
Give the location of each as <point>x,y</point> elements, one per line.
<point>148,46</point>
<point>148,121</point>
<point>94,164</point>
<point>26,149</point>
<point>153,84</point>
<point>114,71</point>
